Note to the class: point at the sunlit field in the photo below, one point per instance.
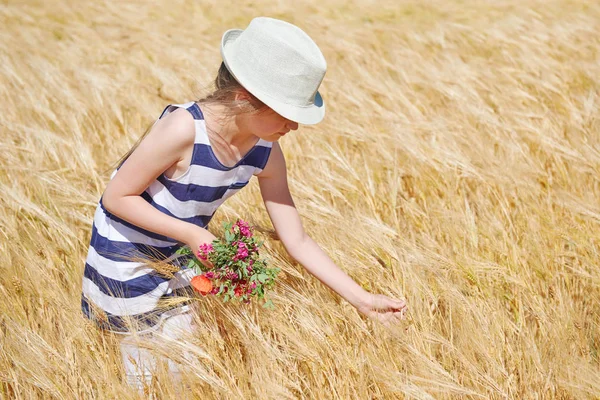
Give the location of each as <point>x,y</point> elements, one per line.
<point>458,167</point>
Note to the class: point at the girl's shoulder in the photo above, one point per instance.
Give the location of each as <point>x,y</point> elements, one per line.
<point>275,164</point>
<point>172,133</point>
<point>180,116</point>
<point>177,125</point>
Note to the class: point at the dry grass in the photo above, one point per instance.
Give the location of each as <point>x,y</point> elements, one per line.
<point>458,166</point>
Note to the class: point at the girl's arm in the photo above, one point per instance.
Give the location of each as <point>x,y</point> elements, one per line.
<point>287,224</point>
<point>165,145</point>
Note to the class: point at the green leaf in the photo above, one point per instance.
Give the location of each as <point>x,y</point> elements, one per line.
<point>269,304</point>
<point>262,277</point>
<point>191,263</point>
<point>183,250</point>
<point>226,298</point>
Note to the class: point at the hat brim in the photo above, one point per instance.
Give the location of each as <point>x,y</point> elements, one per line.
<point>309,115</point>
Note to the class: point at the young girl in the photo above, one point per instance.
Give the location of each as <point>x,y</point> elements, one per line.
<point>194,157</point>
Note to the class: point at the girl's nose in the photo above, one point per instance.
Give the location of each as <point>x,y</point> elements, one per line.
<point>292,125</point>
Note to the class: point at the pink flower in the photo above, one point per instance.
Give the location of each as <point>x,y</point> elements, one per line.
<point>242,252</point>
<point>215,290</point>
<point>253,285</point>
<point>203,251</point>
<point>232,276</point>
<point>210,274</point>
<point>244,228</point>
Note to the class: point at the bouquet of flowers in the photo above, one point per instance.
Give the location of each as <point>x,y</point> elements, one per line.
<point>238,273</point>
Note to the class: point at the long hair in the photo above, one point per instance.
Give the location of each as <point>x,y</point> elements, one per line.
<point>226,87</point>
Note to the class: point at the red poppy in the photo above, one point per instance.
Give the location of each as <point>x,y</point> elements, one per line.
<point>201,284</point>
<point>238,291</point>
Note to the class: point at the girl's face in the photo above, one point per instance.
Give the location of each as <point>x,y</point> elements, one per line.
<point>270,126</point>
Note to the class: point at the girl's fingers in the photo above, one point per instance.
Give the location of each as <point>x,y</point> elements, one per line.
<point>386,319</point>
<point>395,318</point>
<point>400,314</point>
<point>397,304</point>
<point>391,318</point>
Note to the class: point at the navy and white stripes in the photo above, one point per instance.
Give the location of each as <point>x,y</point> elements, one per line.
<point>118,286</point>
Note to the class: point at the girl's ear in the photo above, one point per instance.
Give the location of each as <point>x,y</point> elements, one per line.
<point>242,95</point>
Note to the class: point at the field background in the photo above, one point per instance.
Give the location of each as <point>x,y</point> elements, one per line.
<point>458,166</point>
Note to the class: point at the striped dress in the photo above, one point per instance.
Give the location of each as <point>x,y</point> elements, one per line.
<point>120,292</point>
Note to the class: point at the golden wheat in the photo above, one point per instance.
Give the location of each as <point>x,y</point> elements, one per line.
<point>457,166</point>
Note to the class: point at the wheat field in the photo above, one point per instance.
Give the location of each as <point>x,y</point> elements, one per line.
<point>458,166</point>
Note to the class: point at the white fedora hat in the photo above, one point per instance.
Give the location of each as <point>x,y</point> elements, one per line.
<point>279,64</point>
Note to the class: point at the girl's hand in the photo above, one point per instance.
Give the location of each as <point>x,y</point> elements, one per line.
<point>383,308</point>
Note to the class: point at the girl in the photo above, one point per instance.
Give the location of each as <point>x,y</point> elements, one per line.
<point>194,157</point>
